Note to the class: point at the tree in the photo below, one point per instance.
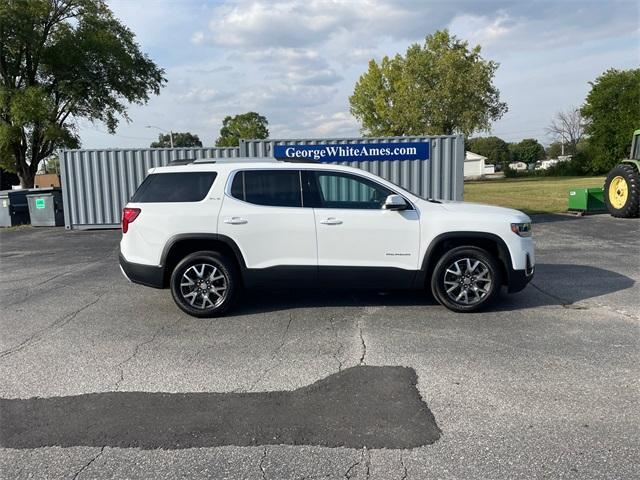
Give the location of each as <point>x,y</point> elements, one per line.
<point>495,149</point>
<point>612,112</point>
<point>180,139</point>
<point>528,151</point>
<point>441,87</point>
<point>567,128</point>
<point>62,60</point>
<point>246,125</point>
<point>554,150</point>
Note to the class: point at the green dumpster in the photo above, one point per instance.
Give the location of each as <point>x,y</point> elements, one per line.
<point>587,200</point>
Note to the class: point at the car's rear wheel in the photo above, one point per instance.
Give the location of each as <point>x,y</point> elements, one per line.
<point>466,279</point>
<point>205,284</point>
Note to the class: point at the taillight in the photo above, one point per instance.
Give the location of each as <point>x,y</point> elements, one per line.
<point>128,216</point>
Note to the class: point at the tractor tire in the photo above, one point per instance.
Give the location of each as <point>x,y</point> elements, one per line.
<point>622,191</point>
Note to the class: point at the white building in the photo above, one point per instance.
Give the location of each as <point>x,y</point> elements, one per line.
<point>552,162</point>
<point>518,166</point>
<point>546,164</point>
<point>474,165</point>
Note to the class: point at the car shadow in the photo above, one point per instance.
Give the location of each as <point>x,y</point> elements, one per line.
<point>553,284</point>
<point>376,407</point>
<point>565,284</point>
<point>554,217</point>
<point>273,300</point>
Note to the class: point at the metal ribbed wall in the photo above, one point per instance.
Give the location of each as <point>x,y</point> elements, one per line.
<point>441,176</point>
<point>96,184</point>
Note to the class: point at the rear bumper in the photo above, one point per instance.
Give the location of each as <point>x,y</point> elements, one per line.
<point>149,275</point>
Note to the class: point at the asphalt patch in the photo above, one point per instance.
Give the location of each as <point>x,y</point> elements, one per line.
<point>363,406</point>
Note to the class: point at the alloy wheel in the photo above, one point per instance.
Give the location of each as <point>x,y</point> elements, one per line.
<point>203,286</point>
<point>467,281</point>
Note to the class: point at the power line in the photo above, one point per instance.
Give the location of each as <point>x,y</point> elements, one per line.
<point>118,135</point>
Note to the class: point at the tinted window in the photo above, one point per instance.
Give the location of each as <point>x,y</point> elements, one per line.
<point>276,188</point>
<point>174,187</point>
<point>342,190</point>
<point>237,187</point>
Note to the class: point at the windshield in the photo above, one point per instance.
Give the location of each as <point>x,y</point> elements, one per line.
<point>635,154</point>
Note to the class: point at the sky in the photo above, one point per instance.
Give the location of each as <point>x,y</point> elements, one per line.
<point>297,62</point>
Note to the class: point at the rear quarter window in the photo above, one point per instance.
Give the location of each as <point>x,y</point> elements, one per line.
<point>273,188</point>
<point>174,187</point>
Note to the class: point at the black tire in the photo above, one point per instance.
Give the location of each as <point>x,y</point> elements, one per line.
<point>630,208</point>
<point>443,272</point>
<point>221,299</point>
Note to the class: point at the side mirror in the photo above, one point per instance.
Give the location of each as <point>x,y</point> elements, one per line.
<point>395,202</point>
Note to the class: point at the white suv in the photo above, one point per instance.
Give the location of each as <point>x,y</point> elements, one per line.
<point>208,229</point>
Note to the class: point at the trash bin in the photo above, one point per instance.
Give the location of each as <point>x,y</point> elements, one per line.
<point>45,207</point>
<point>586,200</point>
<point>13,208</point>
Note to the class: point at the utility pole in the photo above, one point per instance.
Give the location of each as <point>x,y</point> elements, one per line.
<point>163,130</point>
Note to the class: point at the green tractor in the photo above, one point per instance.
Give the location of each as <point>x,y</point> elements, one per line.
<point>622,186</point>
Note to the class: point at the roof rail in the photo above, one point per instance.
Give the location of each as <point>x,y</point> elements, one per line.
<point>296,160</point>
<point>180,161</point>
<point>198,161</point>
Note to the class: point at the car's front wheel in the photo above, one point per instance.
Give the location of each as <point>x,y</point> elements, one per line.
<point>205,284</point>
<point>466,279</point>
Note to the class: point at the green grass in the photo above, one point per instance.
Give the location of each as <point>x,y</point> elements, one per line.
<point>531,195</point>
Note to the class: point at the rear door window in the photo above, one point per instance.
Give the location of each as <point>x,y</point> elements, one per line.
<point>275,188</point>
<point>174,187</point>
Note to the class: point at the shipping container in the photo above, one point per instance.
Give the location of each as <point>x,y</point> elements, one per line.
<point>96,184</point>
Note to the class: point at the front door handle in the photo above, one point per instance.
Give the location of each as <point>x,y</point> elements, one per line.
<point>235,221</point>
<point>331,221</point>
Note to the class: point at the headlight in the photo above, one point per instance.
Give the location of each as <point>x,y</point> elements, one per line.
<point>521,229</point>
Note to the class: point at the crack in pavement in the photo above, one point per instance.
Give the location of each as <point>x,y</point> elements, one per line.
<point>564,303</point>
<point>86,465</point>
<point>340,348</point>
<point>261,465</point>
<point>312,477</point>
<point>136,350</point>
<point>404,467</point>
<point>367,463</point>
<point>206,336</point>
<point>77,268</point>
<point>364,345</point>
<point>359,325</point>
<point>51,328</point>
<point>274,355</point>
<point>615,310</point>
<point>67,272</point>
<point>348,473</point>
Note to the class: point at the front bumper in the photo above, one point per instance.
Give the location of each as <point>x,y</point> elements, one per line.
<point>518,279</point>
<point>149,275</point>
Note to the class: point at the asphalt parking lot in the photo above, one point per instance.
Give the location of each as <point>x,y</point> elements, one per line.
<point>100,378</point>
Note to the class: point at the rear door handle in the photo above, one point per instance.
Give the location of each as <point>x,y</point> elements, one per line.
<point>331,221</point>
<point>235,221</point>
